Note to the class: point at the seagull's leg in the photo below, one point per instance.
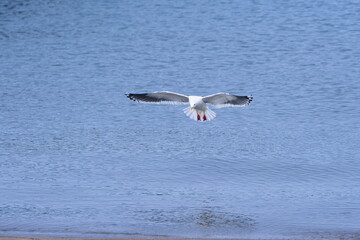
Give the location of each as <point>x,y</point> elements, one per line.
<point>204,117</point>
<point>198,116</point>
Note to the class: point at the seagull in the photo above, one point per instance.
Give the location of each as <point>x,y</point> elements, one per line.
<point>198,110</point>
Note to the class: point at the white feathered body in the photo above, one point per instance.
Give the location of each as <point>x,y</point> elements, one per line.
<point>198,110</point>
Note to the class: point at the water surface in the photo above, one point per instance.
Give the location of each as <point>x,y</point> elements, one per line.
<point>78,158</point>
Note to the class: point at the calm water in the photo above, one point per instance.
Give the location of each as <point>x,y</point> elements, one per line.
<point>78,158</point>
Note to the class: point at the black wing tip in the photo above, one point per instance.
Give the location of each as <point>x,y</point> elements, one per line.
<point>250,98</point>
<point>136,97</point>
<point>130,96</point>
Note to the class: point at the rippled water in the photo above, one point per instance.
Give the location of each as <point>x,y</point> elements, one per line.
<point>78,158</point>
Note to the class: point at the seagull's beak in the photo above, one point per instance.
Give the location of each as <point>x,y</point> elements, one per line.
<point>191,108</point>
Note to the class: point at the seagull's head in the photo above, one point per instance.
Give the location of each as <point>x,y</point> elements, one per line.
<point>195,102</point>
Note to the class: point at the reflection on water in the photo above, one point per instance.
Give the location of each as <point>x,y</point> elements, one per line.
<point>77,157</point>
<point>209,217</point>
<point>204,217</point>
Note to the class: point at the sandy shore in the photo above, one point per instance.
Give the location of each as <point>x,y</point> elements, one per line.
<point>103,238</point>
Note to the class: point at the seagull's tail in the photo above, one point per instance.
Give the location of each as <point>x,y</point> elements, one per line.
<point>199,115</point>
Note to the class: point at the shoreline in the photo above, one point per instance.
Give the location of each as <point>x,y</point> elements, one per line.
<point>10,237</point>
<point>49,236</point>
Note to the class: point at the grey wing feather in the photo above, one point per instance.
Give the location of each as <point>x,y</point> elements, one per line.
<point>159,97</point>
<point>220,100</point>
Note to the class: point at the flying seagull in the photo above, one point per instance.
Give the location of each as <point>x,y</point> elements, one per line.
<point>198,110</point>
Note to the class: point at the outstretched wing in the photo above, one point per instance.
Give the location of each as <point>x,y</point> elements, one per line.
<point>220,100</point>
<point>159,97</point>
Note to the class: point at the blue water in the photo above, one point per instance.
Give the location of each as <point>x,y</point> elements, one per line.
<point>78,158</point>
